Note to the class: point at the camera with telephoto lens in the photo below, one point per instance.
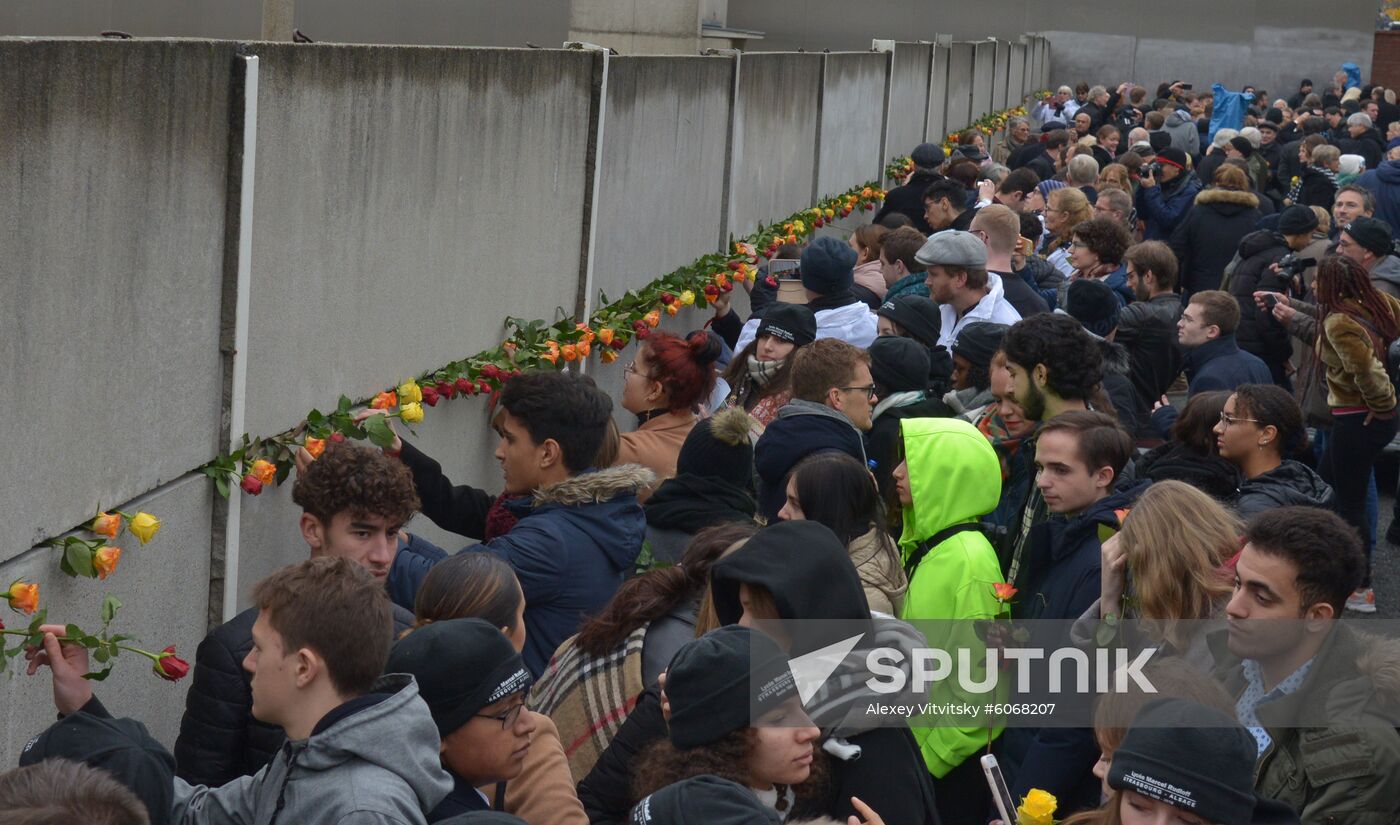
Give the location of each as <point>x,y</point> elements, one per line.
<point>1291,266</point>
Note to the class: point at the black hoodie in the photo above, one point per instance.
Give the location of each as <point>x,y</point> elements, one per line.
<point>809,575</point>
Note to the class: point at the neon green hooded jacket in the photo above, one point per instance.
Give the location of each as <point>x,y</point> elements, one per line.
<point>954,478</point>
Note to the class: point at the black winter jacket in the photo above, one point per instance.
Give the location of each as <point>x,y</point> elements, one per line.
<point>908,200</point>
<point>1290,483</point>
<point>219,739</point>
<point>1177,461</point>
<point>882,443</point>
<point>1258,333</point>
<point>1206,239</point>
<point>1147,329</point>
<point>1370,145</point>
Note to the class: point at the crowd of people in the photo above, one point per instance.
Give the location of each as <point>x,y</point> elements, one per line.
<point>961,412</point>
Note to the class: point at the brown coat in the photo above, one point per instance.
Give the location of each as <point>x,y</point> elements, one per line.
<point>1356,373</point>
<point>656,444</point>
<point>543,793</point>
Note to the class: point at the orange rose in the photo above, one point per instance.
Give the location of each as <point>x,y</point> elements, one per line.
<point>653,318</point>
<point>315,446</point>
<point>606,335</point>
<point>385,400</point>
<point>106,524</point>
<point>23,596</point>
<point>570,352</point>
<point>1003,591</point>
<point>104,561</point>
<point>583,348</point>
<point>588,334</point>
<point>264,471</point>
<point>671,309</point>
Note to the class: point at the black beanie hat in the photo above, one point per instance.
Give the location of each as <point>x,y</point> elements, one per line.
<point>719,447</point>
<point>899,364</point>
<point>1242,145</point>
<point>703,800</point>
<point>1191,757</point>
<point>121,747</point>
<point>828,266</point>
<point>1093,304</point>
<point>916,315</point>
<point>1297,220</point>
<point>979,341</point>
<point>461,666</point>
<point>1159,140</point>
<point>1274,116</point>
<point>1371,234</point>
<point>794,323</point>
<point>807,571</point>
<point>722,682</point>
<point>1171,155</point>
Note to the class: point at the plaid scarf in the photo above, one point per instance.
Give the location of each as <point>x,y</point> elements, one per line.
<point>589,698</point>
<point>1006,445</point>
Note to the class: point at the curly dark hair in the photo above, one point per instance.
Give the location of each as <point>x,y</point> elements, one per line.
<point>1273,406</point>
<point>1072,358</point>
<point>1325,550</point>
<point>662,763</point>
<point>1105,237</point>
<point>361,480</point>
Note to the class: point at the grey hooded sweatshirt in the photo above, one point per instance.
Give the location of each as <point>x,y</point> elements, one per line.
<point>1386,275</point>
<point>376,766</point>
<point>1183,132</point>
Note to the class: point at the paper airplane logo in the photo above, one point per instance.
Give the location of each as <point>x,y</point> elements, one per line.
<point>811,670</point>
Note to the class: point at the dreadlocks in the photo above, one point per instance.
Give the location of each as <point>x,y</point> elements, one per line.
<point>1344,286</point>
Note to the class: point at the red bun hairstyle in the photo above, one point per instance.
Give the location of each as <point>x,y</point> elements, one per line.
<point>685,367</point>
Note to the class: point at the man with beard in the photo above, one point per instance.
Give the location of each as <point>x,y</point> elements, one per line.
<point>1297,672</point>
<point>1055,367</point>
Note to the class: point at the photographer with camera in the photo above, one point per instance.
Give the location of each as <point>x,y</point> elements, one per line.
<point>1271,262</point>
<point>1165,193</point>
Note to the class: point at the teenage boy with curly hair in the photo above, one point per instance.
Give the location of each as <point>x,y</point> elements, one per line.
<point>354,501</point>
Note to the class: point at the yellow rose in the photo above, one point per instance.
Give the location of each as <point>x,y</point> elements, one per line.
<point>411,413</point>
<point>144,526</point>
<point>687,297</point>
<point>409,391</point>
<point>1038,808</point>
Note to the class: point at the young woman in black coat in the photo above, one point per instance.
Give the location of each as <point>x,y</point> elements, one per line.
<point>1206,239</point>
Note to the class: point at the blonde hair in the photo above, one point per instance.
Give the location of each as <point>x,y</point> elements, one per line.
<point>1325,154</point>
<point>1116,174</point>
<point>1076,204</point>
<point>1324,220</point>
<point>1175,561</point>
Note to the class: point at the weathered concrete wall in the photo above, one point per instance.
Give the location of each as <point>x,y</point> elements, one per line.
<point>164,589</point>
<point>637,26</point>
<point>398,191</point>
<point>853,99</point>
<point>1016,83</point>
<point>983,77</point>
<point>959,109</point>
<point>1001,75</point>
<point>661,196</point>
<point>938,94</point>
<point>909,97</point>
<point>774,130</point>
<point>112,188</point>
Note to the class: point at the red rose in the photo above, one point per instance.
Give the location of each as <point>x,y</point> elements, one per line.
<point>251,484</point>
<point>338,438</point>
<point>484,386</point>
<point>465,386</point>
<point>667,298</point>
<point>170,667</point>
<point>618,343</point>
<point>430,395</point>
<point>446,389</point>
<point>490,371</point>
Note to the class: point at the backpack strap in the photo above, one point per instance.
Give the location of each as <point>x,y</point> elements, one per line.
<point>922,548</point>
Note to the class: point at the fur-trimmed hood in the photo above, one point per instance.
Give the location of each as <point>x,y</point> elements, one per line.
<point>595,487</point>
<point>1247,200</point>
<point>1116,360</point>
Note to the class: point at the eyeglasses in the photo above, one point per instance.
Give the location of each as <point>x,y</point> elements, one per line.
<point>506,719</point>
<point>632,369</point>
<point>869,390</point>
<point>1230,420</point>
<point>1079,245</point>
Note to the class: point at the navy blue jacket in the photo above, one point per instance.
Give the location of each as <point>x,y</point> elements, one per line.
<point>1164,206</point>
<point>1060,580</point>
<point>1215,365</point>
<point>1384,183</point>
<point>801,429</point>
<point>570,548</point>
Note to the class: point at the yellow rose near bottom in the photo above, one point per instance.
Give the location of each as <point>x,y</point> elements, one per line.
<point>1038,808</point>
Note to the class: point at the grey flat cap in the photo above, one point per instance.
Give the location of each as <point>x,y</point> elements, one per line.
<point>953,247</point>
